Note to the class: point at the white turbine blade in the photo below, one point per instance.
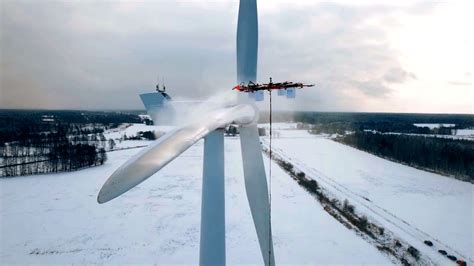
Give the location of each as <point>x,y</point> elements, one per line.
<point>247,41</point>
<point>256,188</point>
<point>168,147</point>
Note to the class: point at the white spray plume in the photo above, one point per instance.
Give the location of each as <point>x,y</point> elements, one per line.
<point>185,111</point>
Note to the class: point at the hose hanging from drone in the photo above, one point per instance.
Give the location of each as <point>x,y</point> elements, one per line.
<point>270,177</point>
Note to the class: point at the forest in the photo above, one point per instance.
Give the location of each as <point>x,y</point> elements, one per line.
<point>53,151</point>
<point>36,142</point>
<point>442,155</point>
<point>340,123</point>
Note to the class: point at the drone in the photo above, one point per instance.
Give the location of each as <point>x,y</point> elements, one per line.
<point>254,87</point>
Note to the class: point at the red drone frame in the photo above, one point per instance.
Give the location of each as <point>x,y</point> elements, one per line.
<point>253,87</point>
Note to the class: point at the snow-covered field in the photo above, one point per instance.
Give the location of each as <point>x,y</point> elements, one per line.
<point>132,130</point>
<point>415,204</point>
<point>432,126</point>
<point>465,132</point>
<point>55,219</point>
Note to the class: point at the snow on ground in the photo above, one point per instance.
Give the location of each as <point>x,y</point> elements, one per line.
<point>131,130</point>
<point>433,126</point>
<point>465,132</point>
<point>279,126</point>
<point>51,219</point>
<point>429,205</point>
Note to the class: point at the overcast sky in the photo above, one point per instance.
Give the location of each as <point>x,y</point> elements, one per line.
<point>385,56</point>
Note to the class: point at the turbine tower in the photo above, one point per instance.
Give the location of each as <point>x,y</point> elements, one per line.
<point>210,127</point>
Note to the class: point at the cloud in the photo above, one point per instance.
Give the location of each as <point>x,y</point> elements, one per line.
<point>343,49</point>
<point>460,83</point>
<point>398,75</point>
<point>465,80</point>
<point>101,55</point>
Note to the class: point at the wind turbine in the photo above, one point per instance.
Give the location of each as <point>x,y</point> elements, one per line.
<point>211,128</point>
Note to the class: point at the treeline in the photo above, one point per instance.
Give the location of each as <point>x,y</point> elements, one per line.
<point>47,141</point>
<point>446,156</point>
<point>15,118</point>
<point>26,160</point>
<point>21,124</point>
<point>36,133</point>
<point>383,127</point>
<point>460,120</point>
<point>330,123</point>
<point>61,148</point>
